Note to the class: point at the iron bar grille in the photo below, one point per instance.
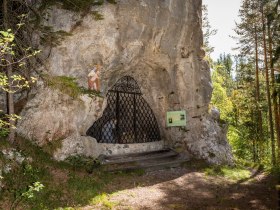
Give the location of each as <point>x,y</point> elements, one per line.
<point>127,119</point>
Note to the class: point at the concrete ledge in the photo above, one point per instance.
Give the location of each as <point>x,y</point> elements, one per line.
<point>121,149</point>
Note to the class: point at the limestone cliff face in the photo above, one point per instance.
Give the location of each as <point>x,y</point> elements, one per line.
<point>156,42</point>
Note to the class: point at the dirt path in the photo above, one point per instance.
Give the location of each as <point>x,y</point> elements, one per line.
<point>183,188</point>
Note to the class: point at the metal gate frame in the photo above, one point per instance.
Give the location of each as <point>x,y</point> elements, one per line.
<point>128,118</point>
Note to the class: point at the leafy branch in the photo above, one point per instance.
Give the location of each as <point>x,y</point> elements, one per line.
<point>28,194</point>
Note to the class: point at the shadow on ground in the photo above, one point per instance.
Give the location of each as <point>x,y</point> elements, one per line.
<point>195,191</point>
<point>190,188</point>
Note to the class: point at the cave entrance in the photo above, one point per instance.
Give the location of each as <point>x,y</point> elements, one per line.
<point>128,118</point>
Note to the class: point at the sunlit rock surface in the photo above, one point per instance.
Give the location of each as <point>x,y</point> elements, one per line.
<point>156,42</point>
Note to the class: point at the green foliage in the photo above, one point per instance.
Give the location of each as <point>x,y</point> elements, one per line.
<point>220,99</point>
<point>25,180</point>
<point>4,130</point>
<point>22,183</point>
<point>6,43</point>
<point>236,100</point>
<point>247,141</point>
<point>275,171</point>
<point>28,194</point>
<point>22,177</point>
<point>240,149</point>
<point>259,24</point>
<point>7,50</point>
<point>35,187</point>
<point>15,82</point>
<point>227,63</point>
<point>68,86</point>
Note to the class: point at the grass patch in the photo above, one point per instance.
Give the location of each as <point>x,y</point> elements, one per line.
<point>83,189</point>
<point>68,86</point>
<point>87,163</point>
<point>232,173</point>
<point>102,200</point>
<point>133,172</point>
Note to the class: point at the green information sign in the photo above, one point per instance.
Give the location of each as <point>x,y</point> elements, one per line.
<point>176,118</point>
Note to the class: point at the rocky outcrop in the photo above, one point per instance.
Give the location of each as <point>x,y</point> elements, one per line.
<point>156,42</point>
<point>52,116</point>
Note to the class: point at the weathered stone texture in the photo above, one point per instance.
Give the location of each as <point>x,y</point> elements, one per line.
<point>156,42</point>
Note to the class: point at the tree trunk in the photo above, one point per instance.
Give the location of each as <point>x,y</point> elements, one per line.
<point>254,135</point>
<point>259,112</point>
<point>273,158</point>
<point>274,98</point>
<point>10,98</point>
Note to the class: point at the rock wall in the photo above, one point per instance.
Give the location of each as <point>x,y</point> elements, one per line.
<point>156,42</point>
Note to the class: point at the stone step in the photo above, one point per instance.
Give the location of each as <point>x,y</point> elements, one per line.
<point>149,161</point>
<point>139,157</point>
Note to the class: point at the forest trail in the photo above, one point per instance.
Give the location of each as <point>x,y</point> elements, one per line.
<point>183,188</point>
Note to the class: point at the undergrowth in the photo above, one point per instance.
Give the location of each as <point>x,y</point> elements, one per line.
<point>73,183</point>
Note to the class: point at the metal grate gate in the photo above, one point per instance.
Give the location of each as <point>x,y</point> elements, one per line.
<point>127,118</point>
